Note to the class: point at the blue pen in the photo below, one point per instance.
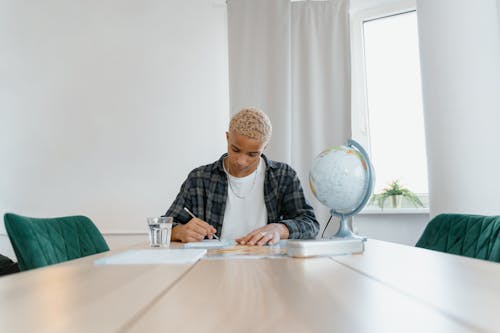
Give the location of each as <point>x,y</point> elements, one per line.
<point>193,216</point>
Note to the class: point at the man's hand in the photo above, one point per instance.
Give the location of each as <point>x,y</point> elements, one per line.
<point>193,231</point>
<point>268,234</point>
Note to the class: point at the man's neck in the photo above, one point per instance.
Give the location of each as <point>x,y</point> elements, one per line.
<point>228,169</point>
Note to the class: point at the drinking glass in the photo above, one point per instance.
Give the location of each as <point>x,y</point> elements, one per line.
<point>160,229</point>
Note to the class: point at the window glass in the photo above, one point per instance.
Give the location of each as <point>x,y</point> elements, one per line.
<point>394,102</point>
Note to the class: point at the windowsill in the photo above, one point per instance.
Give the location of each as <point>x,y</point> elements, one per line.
<point>390,211</point>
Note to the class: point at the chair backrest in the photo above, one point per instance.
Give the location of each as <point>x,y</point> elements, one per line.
<point>475,236</point>
<point>7,266</point>
<point>40,242</point>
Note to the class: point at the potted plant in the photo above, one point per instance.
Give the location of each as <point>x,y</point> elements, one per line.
<point>396,192</point>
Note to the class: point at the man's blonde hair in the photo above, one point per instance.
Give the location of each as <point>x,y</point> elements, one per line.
<point>253,123</point>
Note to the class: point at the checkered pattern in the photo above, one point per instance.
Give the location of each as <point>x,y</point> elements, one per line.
<point>205,192</point>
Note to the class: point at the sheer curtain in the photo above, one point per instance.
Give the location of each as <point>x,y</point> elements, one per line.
<point>291,59</point>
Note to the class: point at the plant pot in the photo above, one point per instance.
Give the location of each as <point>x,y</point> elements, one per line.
<point>396,201</point>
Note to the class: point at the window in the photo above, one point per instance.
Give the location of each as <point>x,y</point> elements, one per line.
<point>387,101</point>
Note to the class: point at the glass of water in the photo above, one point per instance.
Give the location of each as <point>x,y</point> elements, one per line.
<point>160,229</point>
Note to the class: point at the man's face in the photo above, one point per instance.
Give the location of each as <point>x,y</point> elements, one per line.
<point>243,154</point>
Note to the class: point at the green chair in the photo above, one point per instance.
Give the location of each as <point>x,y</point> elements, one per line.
<point>40,242</point>
<point>474,236</point>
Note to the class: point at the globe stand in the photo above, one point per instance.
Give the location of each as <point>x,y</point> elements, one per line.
<point>344,230</point>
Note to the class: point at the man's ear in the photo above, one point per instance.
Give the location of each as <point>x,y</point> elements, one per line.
<point>227,137</point>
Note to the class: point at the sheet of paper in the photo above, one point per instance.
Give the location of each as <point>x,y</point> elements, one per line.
<point>153,256</point>
<point>209,244</point>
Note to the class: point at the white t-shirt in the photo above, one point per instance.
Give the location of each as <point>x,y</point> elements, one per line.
<point>245,206</point>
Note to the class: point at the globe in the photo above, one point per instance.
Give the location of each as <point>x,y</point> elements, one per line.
<point>342,179</point>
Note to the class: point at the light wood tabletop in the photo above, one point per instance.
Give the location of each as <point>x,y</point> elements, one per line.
<point>464,289</point>
<point>287,295</point>
<point>79,296</point>
<point>388,288</point>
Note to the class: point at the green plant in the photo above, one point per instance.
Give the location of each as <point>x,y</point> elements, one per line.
<point>394,189</point>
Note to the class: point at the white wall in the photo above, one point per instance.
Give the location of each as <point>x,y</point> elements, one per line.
<point>357,5</point>
<point>106,105</point>
<point>398,227</point>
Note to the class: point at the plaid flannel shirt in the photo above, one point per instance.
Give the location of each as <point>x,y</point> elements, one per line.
<point>204,193</point>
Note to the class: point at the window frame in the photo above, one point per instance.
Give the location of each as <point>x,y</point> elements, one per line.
<point>359,101</point>
<point>359,106</point>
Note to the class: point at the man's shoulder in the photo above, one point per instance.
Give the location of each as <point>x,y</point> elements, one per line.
<point>276,167</point>
<point>206,171</point>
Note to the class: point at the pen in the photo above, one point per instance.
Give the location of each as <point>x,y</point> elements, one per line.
<point>193,216</point>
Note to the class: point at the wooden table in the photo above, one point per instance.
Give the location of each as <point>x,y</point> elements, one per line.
<point>388,288</point>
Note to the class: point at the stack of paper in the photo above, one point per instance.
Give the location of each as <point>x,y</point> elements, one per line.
<point>153,256</point>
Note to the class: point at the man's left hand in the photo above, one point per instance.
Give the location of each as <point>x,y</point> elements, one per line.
<point>268,234</point>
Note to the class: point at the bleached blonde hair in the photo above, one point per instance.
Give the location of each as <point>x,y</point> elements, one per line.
<point>253,123</point>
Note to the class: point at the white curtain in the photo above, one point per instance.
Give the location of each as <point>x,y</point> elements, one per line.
<point>291,59</point>
<point>498,11</point>
<point>460,65</point>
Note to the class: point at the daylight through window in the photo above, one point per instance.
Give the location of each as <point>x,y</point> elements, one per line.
<point>394,102</point>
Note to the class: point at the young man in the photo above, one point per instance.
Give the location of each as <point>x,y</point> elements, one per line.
<point>243,196</point>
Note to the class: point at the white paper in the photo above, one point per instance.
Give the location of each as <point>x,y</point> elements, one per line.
<point>153,256</point>
<point>209,244</point>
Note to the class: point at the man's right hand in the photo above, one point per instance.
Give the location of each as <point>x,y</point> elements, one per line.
<point>193,231</point>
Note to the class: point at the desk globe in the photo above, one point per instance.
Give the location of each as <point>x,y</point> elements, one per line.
<point>342,179</point>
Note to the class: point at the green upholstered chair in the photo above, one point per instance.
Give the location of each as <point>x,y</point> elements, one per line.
<point>40,242</point>
<point>7,266</point>
<point>475,236</point>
